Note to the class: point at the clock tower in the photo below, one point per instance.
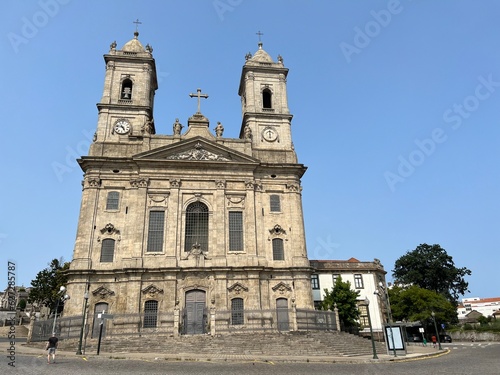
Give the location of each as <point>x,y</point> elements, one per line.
<point>264,104</point>
<point>126,107</point>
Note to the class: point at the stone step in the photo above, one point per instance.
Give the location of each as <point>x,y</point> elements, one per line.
<point>294,343</point>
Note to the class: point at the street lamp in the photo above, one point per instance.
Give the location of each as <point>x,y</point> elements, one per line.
<point>367,304</point>
<point>436,328</point>
<point>84,315</point>
<point>64,298</point>
<point>389,315</point>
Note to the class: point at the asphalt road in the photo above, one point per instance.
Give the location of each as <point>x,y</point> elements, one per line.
<point>466,359</point>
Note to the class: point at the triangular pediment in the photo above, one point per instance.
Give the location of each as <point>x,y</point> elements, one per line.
<point>197,149</point>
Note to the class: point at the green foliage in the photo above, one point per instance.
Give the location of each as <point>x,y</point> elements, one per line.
<point>22,304</point>
<point>431,268</point>
<point>417,304</point>
<point>46,286</point>
<point>345,300</point>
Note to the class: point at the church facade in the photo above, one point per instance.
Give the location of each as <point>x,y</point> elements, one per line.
<point>190,223</point>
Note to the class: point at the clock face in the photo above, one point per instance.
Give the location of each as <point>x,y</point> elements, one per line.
<point>269,134</point>
<point>122,126</point>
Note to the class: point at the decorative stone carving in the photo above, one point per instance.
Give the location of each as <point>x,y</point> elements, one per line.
<point>277,230</point>
<point>110,229</point>
<point>198,153</point>
<point>294,188</point>
<point>93,182</point>
<point>249,185</point>
<point>237,288</point>
<point>157,199</point>
<point>220,184</point>
<point>139,182</point>
<point>152,291</point>
<point>175,183</point>
<point>103,292</point>
<point>282,288</point>
<point>235,201</point>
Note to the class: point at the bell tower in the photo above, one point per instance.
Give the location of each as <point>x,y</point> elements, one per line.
<point>266,117</point>
<point>126,106</point>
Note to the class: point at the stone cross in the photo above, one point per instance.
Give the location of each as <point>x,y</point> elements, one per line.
<point>199,95</point>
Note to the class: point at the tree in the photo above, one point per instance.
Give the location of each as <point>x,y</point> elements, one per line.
<point>415,304</point>
<point>430,267</point>
<point>345,299</point>
<point>45,289</point>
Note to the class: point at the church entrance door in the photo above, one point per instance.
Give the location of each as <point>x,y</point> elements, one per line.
<point>196,316</point>
<point>96,325</point>
<point>282,314</point>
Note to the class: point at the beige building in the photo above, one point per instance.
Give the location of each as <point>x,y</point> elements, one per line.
<point>175,226</point>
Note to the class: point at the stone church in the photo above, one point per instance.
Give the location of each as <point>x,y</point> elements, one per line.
<point>175,229</point>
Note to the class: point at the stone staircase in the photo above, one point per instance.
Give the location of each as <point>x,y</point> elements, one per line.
<point>335,344</point>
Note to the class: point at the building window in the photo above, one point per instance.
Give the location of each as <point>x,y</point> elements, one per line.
<point>266,99</point>
<point>237,311</point>
<point>155,230</point>
<point>275,203</point>
<point>107,250</point>
<point>150,314</point>
<point>126,92</point>
<point>278,251</point>
<point>112,200</point>
<point>235,231</point>
<point>335,277</point>
<point>315,281</point>
<point>363,315</point>
<point>196,226</point>
<point>358,281</point>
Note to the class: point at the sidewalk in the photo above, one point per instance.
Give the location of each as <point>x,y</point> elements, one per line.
<point>413,352</point>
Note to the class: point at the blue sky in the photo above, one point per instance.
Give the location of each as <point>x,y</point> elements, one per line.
<point>396,110</point>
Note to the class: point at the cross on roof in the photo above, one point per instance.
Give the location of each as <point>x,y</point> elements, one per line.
<point>137,23</point>
<point>199,95</point>
<point>259,34</point>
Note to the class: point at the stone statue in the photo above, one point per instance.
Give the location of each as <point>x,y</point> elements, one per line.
<point>247,132</point>
<point>219,129</point>
<point>177,127</point>
<point>112,45</point>
<point>149,126</point>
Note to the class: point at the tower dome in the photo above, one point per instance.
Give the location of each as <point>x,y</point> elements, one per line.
<point>261,55</point>
<point>133,45</point>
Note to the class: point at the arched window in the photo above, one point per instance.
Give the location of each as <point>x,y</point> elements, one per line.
<point>278,251</point>
<point>126,91</point>
<point>266,99</point>
<point>112,200</point>
<point>150,314</point>
<point>196,226</point>
<point>274,201</point>
<point>237,316</point>
<point>107,250</point>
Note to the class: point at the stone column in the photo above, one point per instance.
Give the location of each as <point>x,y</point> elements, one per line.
<point>176,321</point>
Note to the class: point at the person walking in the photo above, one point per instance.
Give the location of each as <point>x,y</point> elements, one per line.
<point>51,347</point>
<point>434,340</point>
